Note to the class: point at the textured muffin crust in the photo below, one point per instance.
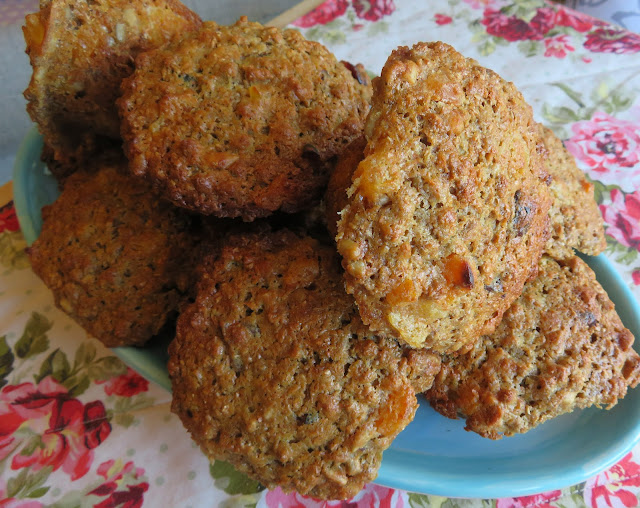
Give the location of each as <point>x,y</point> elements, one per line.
<point>561,346</point>
<point>241,120</point>
<point>80,51</point>
<point>115,256</point>
<point>576,222</point>
<point>273,371</point>
<point>447,214</point>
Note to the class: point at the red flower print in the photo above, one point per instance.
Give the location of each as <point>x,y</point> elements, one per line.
<point>443,19</point>
<point>610,488</point>
<point>126,385</point>
<point>483,4</point>
<point>68,430</point>
<point>558,46</point>
<point>608,149</point>
<point>635,275</point>
<point>373,10</point>
<point>612,40</point>
<point>323,14</point>
<point>117,476</point>
<point>371,495</point>
<point>622,217</point>
<point>538,500</point>
<point>573,19</point>
<point>513,28</point>
<point>8,218</point>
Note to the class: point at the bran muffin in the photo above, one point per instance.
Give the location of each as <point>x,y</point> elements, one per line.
<point>576,222</point>
<point>115,256</point>
<point>240,120</point>
<point>561,346</point>
<point>447,215</point>
<point>273,371</point>
<point>80,51</point>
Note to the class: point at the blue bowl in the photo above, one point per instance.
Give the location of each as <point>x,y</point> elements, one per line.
<point>433,455</point>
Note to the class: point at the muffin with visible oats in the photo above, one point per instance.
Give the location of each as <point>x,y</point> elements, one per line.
<point>576,222</point>
<point>447,214</point>
<point>273,370</point>
<point>80,51</point>
<point>241,120</point>
<point>561,346</point>
<point>117,258</point>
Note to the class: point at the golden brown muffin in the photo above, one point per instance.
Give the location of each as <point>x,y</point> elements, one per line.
<point>273,371</point>
<point>447,214</point>
<point>576,222</point>
<point>80,51</point>
<point>115,256</point>
<point>561,346</point>
<point>241,120</point>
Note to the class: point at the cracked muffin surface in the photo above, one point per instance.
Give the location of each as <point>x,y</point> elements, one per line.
<point>561,346</point>
<point>115,256</point>
<point>80,51</point>
<point>274,372</point>
<point>447,213</point>
<point>241,120</point>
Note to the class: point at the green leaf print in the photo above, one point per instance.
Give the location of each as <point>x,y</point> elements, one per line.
<point>12,254</point>
<point>26,485</point>
<point>85,354</point>
<point>419,500</point>
<point>56,365</point>
<point>6,360</point>
<point>34,338</point>
<point>231,481</point>
<point>529,48</point>
<point>105,368</point>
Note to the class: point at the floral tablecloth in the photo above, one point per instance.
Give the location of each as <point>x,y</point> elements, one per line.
<point>78,428</point>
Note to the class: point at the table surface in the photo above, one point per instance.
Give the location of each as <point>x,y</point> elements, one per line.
<point>80,428</point>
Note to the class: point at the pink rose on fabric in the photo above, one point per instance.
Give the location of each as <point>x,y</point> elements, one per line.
<point>373,10</point>
<point>74,430</point>
<point>127,385</point>
<point>371,496</point>
<point>635,276</point>
<point>443,19</point>
<point>622,217</point>
<point>19,503</point>
<point>612,40</point>
<point>513,28</point>
<point>8,218</point>
<point>558,46</point>
<point>323,14</point>
<point>483,4</point>
<point>536,501</point>
<point>573,19</point>
<point>610,488</point>
<point>609,149</point>
<point>68,429</point>
<point>118,475</point>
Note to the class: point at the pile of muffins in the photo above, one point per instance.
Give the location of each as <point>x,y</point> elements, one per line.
<point>327,248</point>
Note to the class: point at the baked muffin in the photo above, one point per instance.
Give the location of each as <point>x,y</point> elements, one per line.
<point>241,120</point>
<point>576,222</point>
<point>80,51</point>
<point>446,217</point>
<point>273,371</point>
<point>116,258</point>
<point>561,346</point>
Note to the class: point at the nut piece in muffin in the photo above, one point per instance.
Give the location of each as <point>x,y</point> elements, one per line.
<point>273,370</point>
<point>561,346</point>
<point>80,51</point>
<point>240,120</point>
<point>115,256</point>
<point>447,214</point>
<point>576,222</point>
